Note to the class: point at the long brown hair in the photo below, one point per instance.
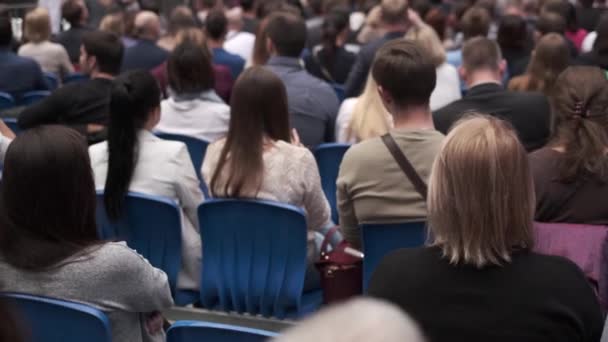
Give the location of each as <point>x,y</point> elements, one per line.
<point>551,57</point>
<point>580,122</point>
<point>258,111</point>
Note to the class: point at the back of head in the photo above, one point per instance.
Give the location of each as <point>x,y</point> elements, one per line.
<point>181,18</point>
<point>113,23</point>
<point>481,159</point>
<point>403,70</point>
<point>564,9</point>
<point>258,111</point>
<point>287,32</point>
<point>580,122</point>
<point>37,25</point>
<point>551,57</point>
<point>512,33</point>
<point>438,20</point>
<point>6,31</point>
<point>481,54</point>
<point>147,25</point>
<point>316,6</point>
<point>550,22</point>
<point>475,23</point>
<point>192,35</point>
<point>216,25</point>
<point>107,49</point>
<point>333,25</point>
<point>134,98</point>
<point>48,216</point>
<point>268,7</point>
<point>393,12</point>
<point>248,5</point>
<point>426,37</point>
<point>367,320</point>
<point>73,11</point>
<point>189,69</point>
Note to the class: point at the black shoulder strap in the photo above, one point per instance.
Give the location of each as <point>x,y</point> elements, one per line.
<point>405,165</point>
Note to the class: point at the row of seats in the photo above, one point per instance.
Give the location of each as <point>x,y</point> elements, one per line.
<point>7,101</point>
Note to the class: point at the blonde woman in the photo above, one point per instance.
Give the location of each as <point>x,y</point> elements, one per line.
<point>447,87</point>
<point>479,280</point>
<point>363,117</point>
<point>52,57</point>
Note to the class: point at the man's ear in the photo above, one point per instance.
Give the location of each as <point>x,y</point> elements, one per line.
<point>386,98</point>
<point>462,72</point>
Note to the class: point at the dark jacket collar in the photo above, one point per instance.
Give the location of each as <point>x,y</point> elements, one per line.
<point>289,62</point>
<point>485,88</point>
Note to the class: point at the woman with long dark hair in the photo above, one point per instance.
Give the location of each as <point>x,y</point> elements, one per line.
<point>134,159</point>
<point>48,236</point>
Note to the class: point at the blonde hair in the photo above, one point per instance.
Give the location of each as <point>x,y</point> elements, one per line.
<point>370,118</point>
<point>37,25</point>
<point>426,37</point>
<point>481,196</point>
<point>113,23</point>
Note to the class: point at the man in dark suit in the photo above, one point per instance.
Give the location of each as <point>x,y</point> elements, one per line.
<point>145,54</point>
<point>482,71</point>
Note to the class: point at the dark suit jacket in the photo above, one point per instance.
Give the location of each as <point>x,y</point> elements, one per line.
<point>529,113</point>
<point>144,55</point>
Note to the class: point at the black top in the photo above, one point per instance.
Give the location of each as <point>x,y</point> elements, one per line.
<point>529,113</point>
<point>144,55</point>
<point>72,40</point>
<point>593,59</point>
<point>338,70</point>
<point>558,201</point>
<point>535,298</point>
<point>588,18</point>
<point>517,60</point>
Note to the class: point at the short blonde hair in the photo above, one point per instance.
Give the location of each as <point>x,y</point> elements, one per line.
<point>481,195</point>
<point>426,37</point>
<point>37,25</point>
<point>113,23</point>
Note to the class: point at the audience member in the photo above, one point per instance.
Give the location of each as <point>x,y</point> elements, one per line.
<point>394,15</point>
<point>145,54</point>
<point>371,187</point>
<point>75,12</point>
<point>216,28</point>
<point>372,28</point>
<point>203,7</point>
<point>550,57</point>
<point>250,21</point>
<point>113,23</point>
<point>482,71</point>
<point>587,16</point>
<point>366,319</point>
<point>550,22</point>
<point>598,56</point>
<point>567,11</point>
<point>238,41</point>
<point>515,43</point>
<point>181,18</point>
<point>315,22</point>
<point>193,109</point>
<point>475,23</point>
<point>447,86</point>
<point>52,57</point>
<point>259,158</point>
<point>478,279</point>
<point>134,159</point>
<point>313,104</point>
<point>82,105</point>
<point>52,240</point>
<point>570,173</point>
<point>17,74</point>
<point>332,62</point>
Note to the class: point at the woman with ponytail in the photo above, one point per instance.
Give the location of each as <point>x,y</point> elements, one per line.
<point>571,172</point>
<point>133,159</point>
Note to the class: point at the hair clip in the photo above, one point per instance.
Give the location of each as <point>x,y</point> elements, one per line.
<point>579,110</point>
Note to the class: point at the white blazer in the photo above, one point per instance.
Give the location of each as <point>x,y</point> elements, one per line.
<point>164,168</point>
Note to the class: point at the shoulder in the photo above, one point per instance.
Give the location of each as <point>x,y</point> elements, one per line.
<point>364,152</point>
<point>118,258</point>
<point>555,270</point>
<point>298,154</point>
<point>399,263</point>
<point>525,99</point>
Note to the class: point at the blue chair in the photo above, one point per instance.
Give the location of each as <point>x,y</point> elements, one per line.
<point>75,77</point>
<point>52,80</point>
<point>6,101</point>
<point>340,91</point>
<point>254,258</point>
<point>12,124</point>
<point>32,97</point>
<point>195,331</point>
<point>380,239</point>
<point>54,320</point>
<point>152,226</point>
<point>329,157</point>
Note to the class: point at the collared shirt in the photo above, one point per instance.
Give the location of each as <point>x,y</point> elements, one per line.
<point>19,74</point>
<point>313,104</point>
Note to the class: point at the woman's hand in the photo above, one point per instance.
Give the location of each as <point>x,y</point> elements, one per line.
<point>154,323</point>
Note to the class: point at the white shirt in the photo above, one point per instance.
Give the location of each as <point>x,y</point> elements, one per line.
<point>447,88</point>
<point>588,42</point>
<point>240,43</point>
<point>343,121</point>
<point>164,168</point>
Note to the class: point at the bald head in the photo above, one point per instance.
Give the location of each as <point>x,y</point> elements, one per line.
<point>147,25</point>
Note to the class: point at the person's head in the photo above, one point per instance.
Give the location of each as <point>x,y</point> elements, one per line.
<point>53,219</point>
<point>113,23</point>
<point>422,7</point>
<point>426,37</point>
<point>551,56</point>
<point>101,52</point>
<point>216,25</point>
<point>405,75</point>
<point>369,118</point>
<point>235,19</point>
<point>372,28</point>
<point>549,22</point>
<point>181,17</point>
<point>475,22</point>
<point>600,46</point>
<point>37,25</point>
<point>286,35</point>
<point>512,33</point>
<point>436,19</point>
<point>189,69</point>
<point>334,30</point>
<point>192,35</point>
<point>367,320</point>
<point>74,12</point>
<point>134,106</point>
<point>564,9</point>
<point>316,7</point>
<point>580,122</point>
<point>481,57</point>
<point>147,25</point>
<point>393,14</point>
<point>248,6</point>
<point>6,31</point>
<point>258,114</point>
<point>481,158</point>
<point>267,7</point>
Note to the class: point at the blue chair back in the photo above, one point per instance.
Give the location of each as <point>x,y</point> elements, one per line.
<point>54,320</point>
<point>340,91</point>
<point>75,77</point>
<point>6,101</point>
<point>152,226</point>
<point>51,80</point>
<point>329,157</point>
<point>254,258</point>
<point>196,148</point>
<point>380,239</point>
<point>195,331</point>
<point>12,124</point>
<point>32,97</point>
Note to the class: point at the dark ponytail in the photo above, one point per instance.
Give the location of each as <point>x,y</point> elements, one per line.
<point>333,24</point>
<point>133,98</point>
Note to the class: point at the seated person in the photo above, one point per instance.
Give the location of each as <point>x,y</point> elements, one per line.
<point>82,105</point>
<point>216,29</point>
<point>371,187</point>
<point>134,159</point>
<point>478,279</point>
<point>193,109</point>
<point>145,54</point>
<point>570,173</point>
<point>76,13</point>
<point>18,75</point>
<point>49,245</point>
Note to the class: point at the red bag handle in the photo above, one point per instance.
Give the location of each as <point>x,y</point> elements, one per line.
<point>328,237</point>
